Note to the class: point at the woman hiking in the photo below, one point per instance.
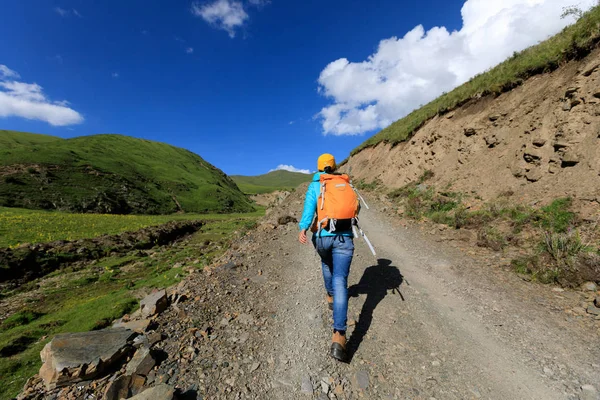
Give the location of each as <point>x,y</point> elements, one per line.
<point>333,240</point>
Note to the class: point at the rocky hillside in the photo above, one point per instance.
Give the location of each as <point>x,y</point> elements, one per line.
<point>540,141</point>
<point>111,174</point>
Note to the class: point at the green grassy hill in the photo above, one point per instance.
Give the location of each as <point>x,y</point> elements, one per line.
<point>573,42</point>
<point>267,183</point>
<point>111,174</point>
<point>12,139</point>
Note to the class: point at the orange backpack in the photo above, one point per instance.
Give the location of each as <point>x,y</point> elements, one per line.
<point>338,204</point>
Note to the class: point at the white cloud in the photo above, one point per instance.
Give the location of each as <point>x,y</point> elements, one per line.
<point>227,15</point>
<point>61,11</point>
<point>291,168</point>
<point>189,50</point>
<point>67,13</point>
<point>407,72</point>
<point>259,3</point>
<point>27,100</point>
<point>7,73</point>
<point>115,75</point>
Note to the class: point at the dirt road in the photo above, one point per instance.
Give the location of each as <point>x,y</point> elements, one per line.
<point>430,323</point>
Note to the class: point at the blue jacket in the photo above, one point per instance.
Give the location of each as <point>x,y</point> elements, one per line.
<point>310,208</point>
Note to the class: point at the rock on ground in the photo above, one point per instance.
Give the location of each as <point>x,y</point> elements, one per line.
<point>75,357</point>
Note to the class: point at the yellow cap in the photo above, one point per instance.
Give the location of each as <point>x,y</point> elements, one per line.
<point>326,160</point>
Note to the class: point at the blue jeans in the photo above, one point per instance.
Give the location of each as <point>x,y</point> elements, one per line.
<point>336,254</point>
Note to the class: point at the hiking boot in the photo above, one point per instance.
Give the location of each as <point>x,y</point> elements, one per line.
<point>338,346</point>
<point>329,299</point>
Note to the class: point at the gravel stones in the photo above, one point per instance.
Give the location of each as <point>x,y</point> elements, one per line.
<point>593,310</point>
<point>362,379</point>
<point>589,392</point>
<point>74,357</point>
<point>589,287</point>
<point>306,386</point>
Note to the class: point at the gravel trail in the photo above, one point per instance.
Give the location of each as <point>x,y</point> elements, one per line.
<point>426,323</point>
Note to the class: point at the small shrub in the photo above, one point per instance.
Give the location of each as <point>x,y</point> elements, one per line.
<point>461,215</point>
<point>373,185</point>
<point>557,217</point>
<point>442,217</point>
<point>492,238</point>
<point>563,246</point>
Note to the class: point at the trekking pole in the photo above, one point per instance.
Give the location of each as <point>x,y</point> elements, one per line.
<point>363,200</point>
<point>368,242</point>
<point>356,191</point>
<point>362,233</point>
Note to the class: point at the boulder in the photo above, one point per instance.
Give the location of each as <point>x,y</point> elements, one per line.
<point>75,357</point>
<point>470,132</point>
<point>532,156</point>
<point>118,388</point>
<point>154,303</point>
<point>571,91</point>
<point>140,326</point>
<point>160,392</point>
<point>593,310</point>
<point>534,175</point>
<point>569,159</point>
<point>558,145</point>
<point>141,363</point>
<point>284,220</point>
<point>589,287</point>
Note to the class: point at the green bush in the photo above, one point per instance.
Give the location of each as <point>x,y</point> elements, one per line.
<point>556,217</point>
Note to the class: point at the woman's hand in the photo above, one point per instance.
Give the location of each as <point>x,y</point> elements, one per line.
<point>302,237</point>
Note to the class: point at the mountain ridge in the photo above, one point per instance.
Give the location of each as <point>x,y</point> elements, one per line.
<point>111,173</point>
<point>271,181</point>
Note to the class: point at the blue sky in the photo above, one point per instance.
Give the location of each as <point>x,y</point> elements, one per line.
<point>248,85</point>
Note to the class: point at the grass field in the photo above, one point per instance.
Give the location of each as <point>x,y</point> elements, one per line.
<point>268,183</point>
<point>111,173</point>
<point>18,226</point>
<point>80,300</point>
<point>573,42</point>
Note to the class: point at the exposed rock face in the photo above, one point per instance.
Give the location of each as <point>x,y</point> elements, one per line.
<point>75,357</point>
<point>154,303</point>
<point>534,148</point>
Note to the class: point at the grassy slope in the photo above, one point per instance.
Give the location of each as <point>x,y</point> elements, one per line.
<point>81,300</point>
<point>267,183</point>
<point>12,139</point>
<point>573,42</point>
<point>19,225</point>
<point>112,173</point>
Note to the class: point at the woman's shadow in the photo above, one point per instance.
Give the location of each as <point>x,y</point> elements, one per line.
<point>375,283</point>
